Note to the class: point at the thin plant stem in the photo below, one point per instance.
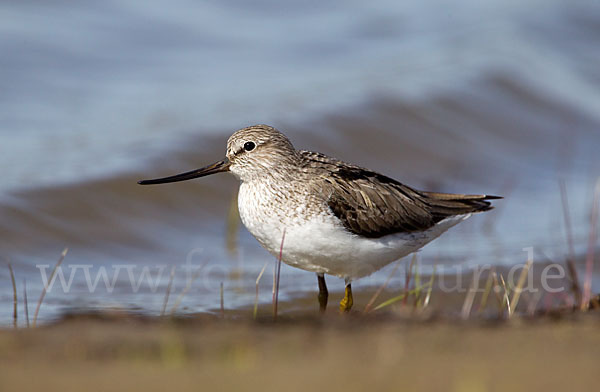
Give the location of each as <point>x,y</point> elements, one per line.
<point>534,302</point>
<point>519,289</point>
<point>589,262</point>
<point>505,299</point>
<point>25,303</point>
<point>575,287</point>
<point>232,226</point>
<point>399,297</point>
<point>44,289</point>
<point>168,292</point>
<point>15,301</point>
<point>277,277</point>
<point>262,271</point>
<point>417,284</point>
<point>500,299</point>
<point>469,299</point>
<point>429,289</point>
<point>222,301</point>
<point>381,288</point>
<point>186,289</point>
<point>486,292</point>
<point>408,278</point>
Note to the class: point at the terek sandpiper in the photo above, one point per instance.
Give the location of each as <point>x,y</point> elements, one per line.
<point>339,219</point>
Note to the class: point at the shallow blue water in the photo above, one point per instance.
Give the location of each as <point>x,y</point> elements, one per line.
<point>495,96</point>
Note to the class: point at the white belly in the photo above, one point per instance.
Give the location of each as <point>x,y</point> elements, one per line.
<point>321,244</point>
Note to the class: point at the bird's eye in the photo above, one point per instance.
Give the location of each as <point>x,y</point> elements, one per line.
<point>249,146</point>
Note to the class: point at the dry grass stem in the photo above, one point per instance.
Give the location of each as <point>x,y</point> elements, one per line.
<point>186,289</point>
<point>589,262</point>
<point>44,289</point>
<point>277,277</point>
<point>417,284</point>
<point>409,272</point>
<point>232,226</point>
<point>429,289</point>
<point>381,288</point>
<point>222,295</point>
<point>168,292</point>
<point>15,300</point>
<point>532,307</point>
<point>262,271</point>
<point>486,292</point>
<point>519,289</point>
<point>575,287</point>
<point>25,304</point>
<point>505,298</point>
<point>469,299</point>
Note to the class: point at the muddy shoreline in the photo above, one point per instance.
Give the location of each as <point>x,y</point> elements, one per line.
<point>95,352</point>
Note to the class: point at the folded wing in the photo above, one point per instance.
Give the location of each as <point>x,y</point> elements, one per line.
<point>373,205</point>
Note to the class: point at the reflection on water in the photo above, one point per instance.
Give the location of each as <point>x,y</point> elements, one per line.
<point>496,98</point>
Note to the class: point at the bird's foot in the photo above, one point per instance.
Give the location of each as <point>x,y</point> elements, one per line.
<point>347,302</point>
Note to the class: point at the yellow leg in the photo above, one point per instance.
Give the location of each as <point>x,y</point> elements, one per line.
<point>347,302</point>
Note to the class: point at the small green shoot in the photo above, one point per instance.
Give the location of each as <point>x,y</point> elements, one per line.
<point>486,292</point>
<point>381,288</point>
<point>519,288</point>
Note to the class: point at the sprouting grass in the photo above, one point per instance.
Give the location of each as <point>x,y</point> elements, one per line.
<point>519,288</point>
<point>589,263</point>
<point>222,298</point>
<point>531,308</point>
<point>429,289</point>
<point>43,294</point>
<point>417,283</point>
<point>469,299</point>
<point>277,278</point>
<point>486,291</point>
<point>15,300</point>
<point>232,226</point>
<point>400,297</point>
<point>505,298</point>
<point>381,288</point>
<point>409,273</point>
<point>25,304</point>
<point>421,301</point>
<point>575,288</point>
<point>168,291</point>
<point>418,293</point>
<point>186,289</point>
<point>255,311</point>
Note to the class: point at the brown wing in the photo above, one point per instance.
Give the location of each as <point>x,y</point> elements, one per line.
<point>373,205</point>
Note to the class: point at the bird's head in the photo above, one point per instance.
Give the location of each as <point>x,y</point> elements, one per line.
<point>252,153</point>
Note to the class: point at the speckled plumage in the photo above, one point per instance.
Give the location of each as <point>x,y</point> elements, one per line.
<point>339,219</point>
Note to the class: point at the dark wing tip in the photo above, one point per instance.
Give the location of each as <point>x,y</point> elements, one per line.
<point>492,197</point>
<point>486,207</point>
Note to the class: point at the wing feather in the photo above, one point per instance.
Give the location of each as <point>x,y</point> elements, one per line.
<point>373,205</point>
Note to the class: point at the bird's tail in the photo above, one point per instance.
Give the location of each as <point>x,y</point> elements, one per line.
<point>444,205</point>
